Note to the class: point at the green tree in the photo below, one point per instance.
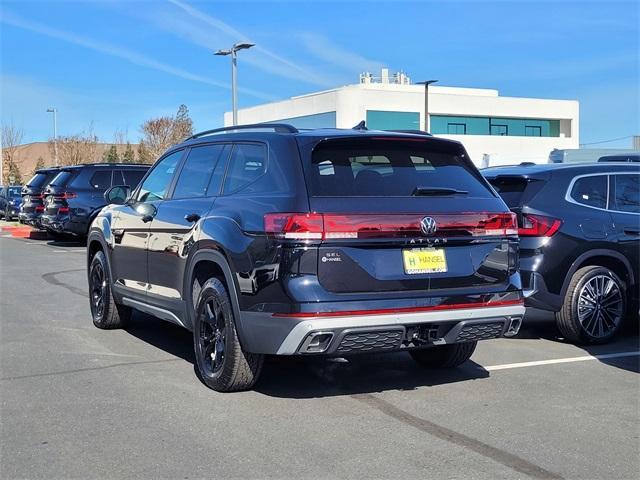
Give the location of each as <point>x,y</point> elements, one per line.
<point>39,164</point>
<point>144,156</point>
<point>128,156</point>
<point>111,155</point>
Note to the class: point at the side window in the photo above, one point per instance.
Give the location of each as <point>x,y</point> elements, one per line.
<point>196,172</point>
<point>156,184</point>
<point>132,177</point>
<point>248,162</point>
<point>591,191</point>
<point>626,197</point>
<point>101,180</point>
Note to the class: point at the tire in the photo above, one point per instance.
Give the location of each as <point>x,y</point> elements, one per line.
<point>587,316</point>
<point>444,356</point>
<point>106,313</point>
<point>221,362</point>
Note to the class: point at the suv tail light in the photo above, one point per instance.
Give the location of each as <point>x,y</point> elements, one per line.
<point>39,208</point>
<point>63,210</point>
<point>319,226</point>
<point>538,226</point>
<point>66,195</point>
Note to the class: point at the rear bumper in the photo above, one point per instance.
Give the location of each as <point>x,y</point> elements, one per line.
<point>345,335</point>
<point>63,224</point>
<point>537,295</point>
<point>30,218</point>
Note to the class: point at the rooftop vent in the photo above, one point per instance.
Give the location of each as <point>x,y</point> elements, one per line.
<point>398,78</point>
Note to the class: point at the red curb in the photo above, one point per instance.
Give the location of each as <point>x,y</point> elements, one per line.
<point>22,232</point>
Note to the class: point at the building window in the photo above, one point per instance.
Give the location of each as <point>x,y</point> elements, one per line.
<point>388,120</point>
<point>457,128</point>
<point>532,131</point>
<point>501,130</point>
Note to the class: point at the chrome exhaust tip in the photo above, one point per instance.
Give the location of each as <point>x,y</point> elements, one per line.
<point>514,327</point>
<point>316,342</point>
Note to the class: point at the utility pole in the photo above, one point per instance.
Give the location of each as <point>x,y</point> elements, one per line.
<point>427,123</point>
<point>55,133</point>
<point>233,51</point>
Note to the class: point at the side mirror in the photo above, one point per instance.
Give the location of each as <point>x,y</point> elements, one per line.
<point>117,195</point>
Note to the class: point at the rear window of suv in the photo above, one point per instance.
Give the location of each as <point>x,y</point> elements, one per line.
<point>41,179</point>
<point>390,167</point>
<point>63,178</point>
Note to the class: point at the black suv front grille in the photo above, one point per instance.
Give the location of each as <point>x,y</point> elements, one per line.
<point>370,341</point>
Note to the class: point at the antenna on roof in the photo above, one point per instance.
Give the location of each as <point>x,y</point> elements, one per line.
<point>360,126</point>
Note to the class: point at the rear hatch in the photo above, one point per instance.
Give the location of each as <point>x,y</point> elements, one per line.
<point>518,191</point>
<point>32,192</point>
<point>406,213</point>
<point>57,192</point>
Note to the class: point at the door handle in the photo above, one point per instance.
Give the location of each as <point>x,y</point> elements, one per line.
<point>147,218</point>
<point>192,217</point>
<point>631,230</point>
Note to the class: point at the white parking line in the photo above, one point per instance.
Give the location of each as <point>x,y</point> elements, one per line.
<point>585,358</point>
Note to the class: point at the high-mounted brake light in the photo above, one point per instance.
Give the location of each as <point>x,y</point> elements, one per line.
<point>331,226</point>
<point>538,225</point>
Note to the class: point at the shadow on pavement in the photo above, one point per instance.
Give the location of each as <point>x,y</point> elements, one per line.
<point>542,325</point>
<point>68,242</point>
<point>309,377</point>
<point>305,377</point>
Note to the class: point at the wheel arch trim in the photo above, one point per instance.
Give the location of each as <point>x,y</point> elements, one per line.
<point>599,252</point>
<point>218,258</point>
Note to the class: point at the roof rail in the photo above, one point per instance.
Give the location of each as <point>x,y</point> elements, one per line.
<point>277,127</point>
<point>414,132</point>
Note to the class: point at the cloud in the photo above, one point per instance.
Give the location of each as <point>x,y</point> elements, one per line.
<point>116,51</point>
<point>330,52</point>
<point>260,57</point>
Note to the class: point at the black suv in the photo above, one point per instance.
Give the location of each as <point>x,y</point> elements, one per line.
<point>268,240</point>
<point>579,242</point>
<point>33,196</point>
<point>10,200</point>
<point>76,194</point>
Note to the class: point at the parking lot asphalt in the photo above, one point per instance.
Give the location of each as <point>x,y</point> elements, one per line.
<point>77,402</point>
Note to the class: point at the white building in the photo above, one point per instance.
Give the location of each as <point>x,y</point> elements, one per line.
<point>494,129</point>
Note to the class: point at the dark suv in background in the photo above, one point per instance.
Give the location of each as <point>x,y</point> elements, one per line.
<point>579,227</point>
<point>75,195</point>
<point>268,240</point>
<point>32,205</point>
<point>10,201</point>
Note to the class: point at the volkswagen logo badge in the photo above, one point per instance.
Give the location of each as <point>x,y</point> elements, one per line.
<point>428,225</point>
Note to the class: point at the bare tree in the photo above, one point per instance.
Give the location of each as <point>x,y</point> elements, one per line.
<point>76,149</point>
<point>11,138</point>
<point>160,133</point>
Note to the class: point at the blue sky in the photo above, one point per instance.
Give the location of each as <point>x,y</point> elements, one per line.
<point>109,65</point>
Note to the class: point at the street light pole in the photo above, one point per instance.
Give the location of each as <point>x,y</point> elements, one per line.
<point>233,51</point>
<point>55,133</point>
<point>427,124</point>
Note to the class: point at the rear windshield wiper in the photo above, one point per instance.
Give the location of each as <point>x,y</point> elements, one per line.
<point>437,191</point>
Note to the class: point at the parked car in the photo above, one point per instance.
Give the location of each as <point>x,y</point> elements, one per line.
<point>630,157</point>
<point>10,201</point>
<point>269,240</point>
<point>579,228</point>
<point>76,194</point>
<point>33,198</point>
